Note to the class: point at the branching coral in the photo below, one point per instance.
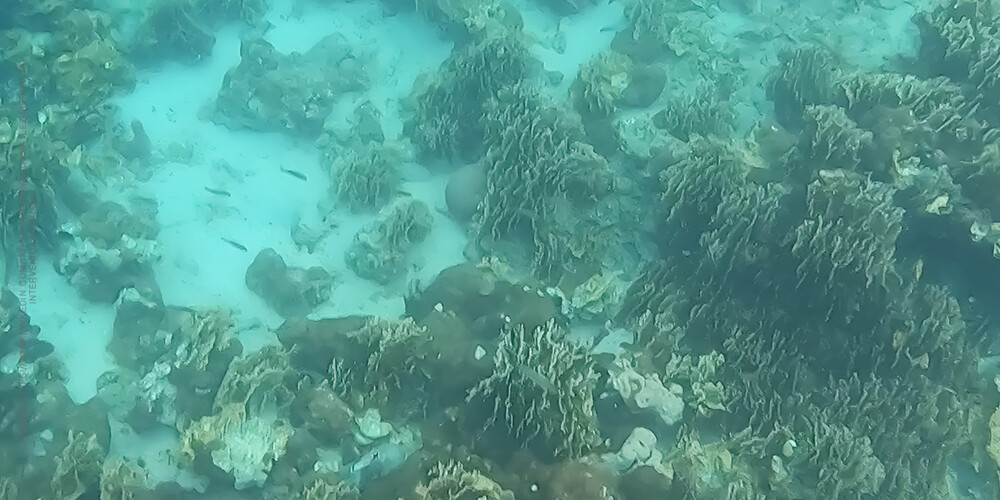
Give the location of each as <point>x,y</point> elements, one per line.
<point>542,391</point>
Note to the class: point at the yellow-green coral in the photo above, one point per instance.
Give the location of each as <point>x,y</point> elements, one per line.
<point>204,331</point>
<point>244,445</point>
<point>78,466</point>
<point>121,480</point>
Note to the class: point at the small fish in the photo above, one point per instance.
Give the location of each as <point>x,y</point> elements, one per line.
<point>235,244</point>
<point>294,173</point>
<point>218,192</point>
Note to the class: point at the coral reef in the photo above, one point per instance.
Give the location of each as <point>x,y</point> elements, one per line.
<point>240,444</point>
<point>542,391</point>
<point>602,83</point>
<point>110,249</point>
<point>447,109</point>
<point>379,249</point>
<point>453,481</point>
<point>367,177</point>
<point>541,178</point>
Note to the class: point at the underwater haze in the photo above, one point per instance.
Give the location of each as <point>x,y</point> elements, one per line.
<point>499,249</point>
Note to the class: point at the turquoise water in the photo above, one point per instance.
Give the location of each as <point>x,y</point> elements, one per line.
<point>532,249</point>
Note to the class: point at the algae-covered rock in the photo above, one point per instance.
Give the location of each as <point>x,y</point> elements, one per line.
<point>465,191</point>
<point>108,250</point>
<point>290,291</point>
<point>274,92</point>
<point>638,450</point>
<point>173,30</point>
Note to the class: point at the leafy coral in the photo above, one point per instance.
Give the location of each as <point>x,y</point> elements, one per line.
<point>77,466</point>
<point>367,177</point>
<point>454,481</point>
<point>844,248</point>
<point>448,108</point>
<point>379,249</point>
<point>602,83</point>
<point>542,391</point>
<point>540,177</point>
<point>244,445</point>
